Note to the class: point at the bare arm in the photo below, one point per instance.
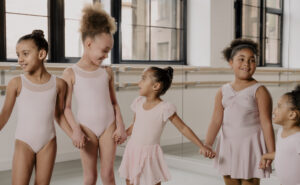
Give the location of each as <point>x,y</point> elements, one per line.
<point>120,131</point>
<point>60,105</point>
<point>12,90</point>
<point>78,136</point>
<point>216,121</point>
<point>188,133</point>
<point>264,102</point>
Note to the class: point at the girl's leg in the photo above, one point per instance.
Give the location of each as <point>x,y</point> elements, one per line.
<point>107,155</point>
<point>45,159</point>
<point>89,155</point>
<point>23,162</point>
<point>229,181</point>
<point>254,181</point>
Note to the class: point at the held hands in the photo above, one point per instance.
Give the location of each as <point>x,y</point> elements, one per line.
<point>79,138</point>
<point>207,151</point>
<point>119,135</point>
<point>264,163</point>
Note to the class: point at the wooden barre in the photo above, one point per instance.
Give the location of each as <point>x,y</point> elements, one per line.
<point>193,83</point>
<point>121,68</point>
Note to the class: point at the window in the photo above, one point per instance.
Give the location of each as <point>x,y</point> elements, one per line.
<point>261,21</point>
<point>54,17</point>
<point>150,31</point>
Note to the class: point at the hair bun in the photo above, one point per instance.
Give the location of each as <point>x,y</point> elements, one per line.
<point>170,71</point>
<point>297,88</point>
<point>38,33</point>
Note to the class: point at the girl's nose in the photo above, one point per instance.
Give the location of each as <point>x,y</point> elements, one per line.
<point>20,60</point>
<point>106,55</point>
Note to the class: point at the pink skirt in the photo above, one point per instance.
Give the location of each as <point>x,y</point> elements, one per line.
<point>239,152</point>
<point>144,165</point>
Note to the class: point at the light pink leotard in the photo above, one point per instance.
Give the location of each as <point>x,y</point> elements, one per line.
<point>91,89</point>
<point>36,108</point>
<point>287,159</point>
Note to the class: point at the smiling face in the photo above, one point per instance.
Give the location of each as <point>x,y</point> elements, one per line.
<point>243,64</point>
<point>29,57</point>
<point>97,48</point>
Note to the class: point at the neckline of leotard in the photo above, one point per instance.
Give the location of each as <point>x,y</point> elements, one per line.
<point>241,89</point>
<point>35,84</point>
<point>85,71</point>
<point>157,105</point>
<point>290,136</point>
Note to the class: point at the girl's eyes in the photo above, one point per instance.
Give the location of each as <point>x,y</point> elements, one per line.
<point>242,60</point>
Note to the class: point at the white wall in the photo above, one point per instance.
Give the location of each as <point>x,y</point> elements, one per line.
<point>291,36</point>
<point>198,32</point>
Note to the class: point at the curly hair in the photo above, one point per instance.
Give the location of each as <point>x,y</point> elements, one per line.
<point>237,45</point>
<point>95,20</point>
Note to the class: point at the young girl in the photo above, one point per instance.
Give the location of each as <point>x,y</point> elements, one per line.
<point>142,161</point>
<point>40,97</point>
<point>243,110</point>
<point>99,118</point>
<point>287,158</point>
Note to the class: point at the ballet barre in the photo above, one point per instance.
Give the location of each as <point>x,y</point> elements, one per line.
<point>121,68</point>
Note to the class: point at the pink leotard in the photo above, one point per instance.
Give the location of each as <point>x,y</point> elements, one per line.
<point>36,108</point>
<point>91,89</point>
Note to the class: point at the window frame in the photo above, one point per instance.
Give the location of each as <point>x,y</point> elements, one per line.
<point>263,10</point>
<point>116,53</point>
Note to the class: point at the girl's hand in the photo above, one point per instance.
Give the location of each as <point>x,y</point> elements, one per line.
<point>79,138</point>
<point>119,135</point>
<point>264,163</point>
<point>207,151</point>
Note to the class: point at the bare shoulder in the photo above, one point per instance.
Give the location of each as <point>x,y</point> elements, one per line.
<point>219,93</point>
<point>15,83</point>
<point>262,92</point>
<point>68,74</point>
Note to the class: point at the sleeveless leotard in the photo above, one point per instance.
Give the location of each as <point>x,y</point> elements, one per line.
<point>36,108</point>
<point>91,89</point>
<point>241,143</point>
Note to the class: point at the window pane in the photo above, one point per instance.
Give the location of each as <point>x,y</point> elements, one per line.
<point>272,51</point>
<point>135,42</point>
<point>13,31</point>
<point>73,12</point>
<point>252,2</point>
<point>73,44</point>
<point>165,44</point>
<point>73,8</point>
<point>135,12</point>
<point>250,21</point>
<point>165,13</point>
<point>273,26</point>
<point>27,7</point>
<point>274,4</point>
